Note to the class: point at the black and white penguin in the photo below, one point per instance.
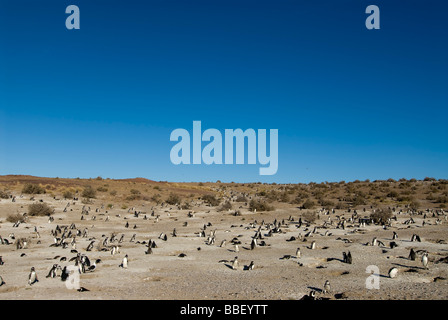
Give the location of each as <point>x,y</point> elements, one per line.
<point>393,272</point>
<point>327,287</point>
<point>52,273</point>
<point>425,260</point>
<point>2,282</point>
<point>32,278</point>
<point>235,263</point>
<point>124,263</point>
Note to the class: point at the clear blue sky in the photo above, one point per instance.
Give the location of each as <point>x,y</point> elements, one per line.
<point>349,103</point>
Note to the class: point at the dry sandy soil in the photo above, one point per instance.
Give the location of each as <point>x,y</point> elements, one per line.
<point>202,273</point>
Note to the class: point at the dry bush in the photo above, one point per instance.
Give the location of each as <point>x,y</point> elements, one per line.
<point>259,206</point>
<point>89,192</point>
<point>225,206</point>
<point>308,204</point>
<point>14,218</point>
<point>30,188</point>
<point>211,200</point>
<point>39,209</point>
<point>381,216</point>
<point>173,199</point>
<point>309,216</point>
<point>4,195</point>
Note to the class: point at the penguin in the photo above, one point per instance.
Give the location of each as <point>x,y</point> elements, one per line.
<point>374,242</point>
<point>1,261</point>
<point>313,245</point>
<point>327,287</point>
<point>412,255</point>
<point>149,250</point>
<point>90,246</point>
<point>237,249</point>
<point>298,253</point>
<point>235,263</point>
<point>2,282</point>
<point>395,236</point>
<point>425,260</point>
<point>349,258</point>
<point>32,278</point>
<point>124,263</point>
<point>52,273</point>
<point>393,272</point>
<point>251,266</point>
<point>253,244</point>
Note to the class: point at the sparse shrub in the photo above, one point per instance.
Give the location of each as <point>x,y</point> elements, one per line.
<point>241,199</point>
<point>135,191</point>
<point>113,193</point>
<point>381,216</point>
<point>14,218</point>
<point>4,195</point>
<point>133,197</point>
<point>259,206</point>
<point>225,206</point>
<point>102,189</point>
<point>309,216</point>
<point>67,195</point>
<point>308,204</point>
<point>326,203</point>
<point>414,205</point>
<point>185,206</point>
<point>210,199</point>
<point>30,188</point>
<point>173,199</point>
<point>156,198</point>
<point>39,209</point>
<point>89,192</point>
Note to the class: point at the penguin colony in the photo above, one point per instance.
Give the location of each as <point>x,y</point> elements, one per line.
<point>77,236</point>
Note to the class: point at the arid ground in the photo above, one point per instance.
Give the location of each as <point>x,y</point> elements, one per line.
<point>195,264</point>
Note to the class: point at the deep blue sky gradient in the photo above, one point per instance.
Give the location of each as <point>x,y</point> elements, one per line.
<point>349,103</point>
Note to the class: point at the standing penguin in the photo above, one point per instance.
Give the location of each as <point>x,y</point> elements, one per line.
<point>425,260</point>
<point>251,266</point>
<point>327,287</point>
<point>412,255</point>
<point>298,253</point>
<point>32,278</point>
<point>1,281</point>
<point>52,273</point>
<point>124,263</point>
<point>235,263</point>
